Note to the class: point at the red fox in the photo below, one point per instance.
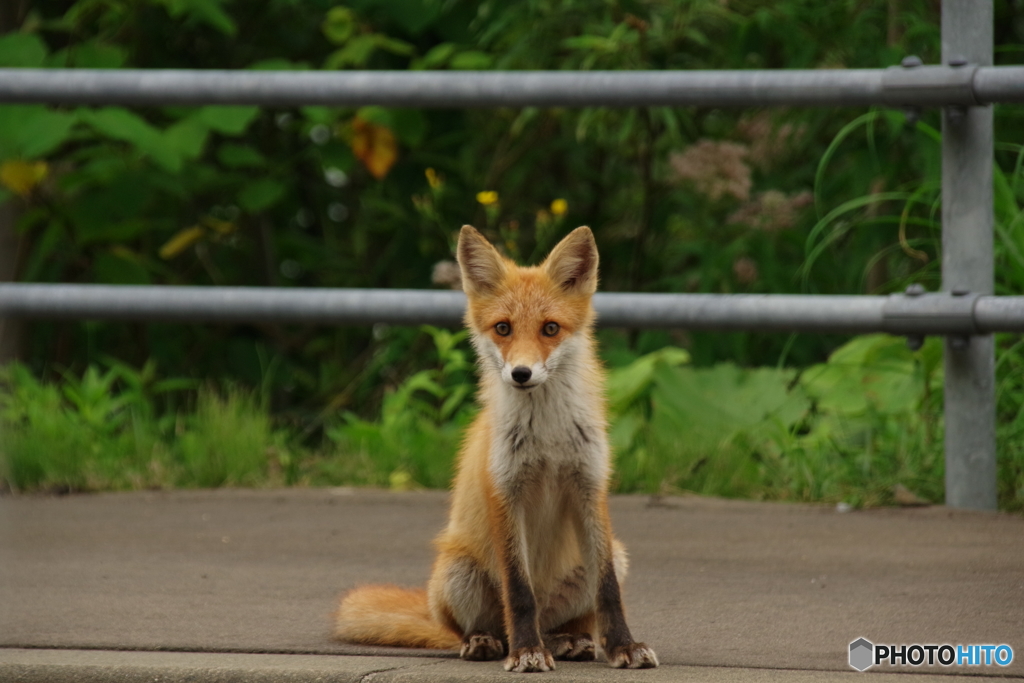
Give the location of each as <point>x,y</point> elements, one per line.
<point>527,568</point>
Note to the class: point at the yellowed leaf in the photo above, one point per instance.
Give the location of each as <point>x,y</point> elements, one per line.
<point>22,177</point>
<point>180,242</point>
<point>375,146</point>
<point>218,226</point>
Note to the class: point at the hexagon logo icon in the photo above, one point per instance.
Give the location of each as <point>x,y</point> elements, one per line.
<point>862,653</point>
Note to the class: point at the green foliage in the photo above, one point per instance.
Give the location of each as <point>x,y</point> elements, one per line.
<point>850,429</point>
<point>681,200</point>
<point>1010,421</point>
<point>78,437</point>
<point>421,423</point>
<point>225,443</point>
<point>105,430</point>
<point>234,195</point>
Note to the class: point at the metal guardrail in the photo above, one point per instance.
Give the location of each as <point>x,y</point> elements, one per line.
<point>922,86</point>
<point>964,86</point>
<point>901,314</point>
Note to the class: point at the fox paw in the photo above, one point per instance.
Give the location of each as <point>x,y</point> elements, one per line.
<point>530,659</point>
<point>482,647</point>
<point>632,656</point>
<point>573,647</point>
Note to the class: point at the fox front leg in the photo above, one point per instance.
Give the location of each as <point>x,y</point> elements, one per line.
<point>616,640</point>
<point>526,648</point>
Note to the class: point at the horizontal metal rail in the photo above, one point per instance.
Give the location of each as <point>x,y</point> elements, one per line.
<point>963,85</point>
<point>941,314</point>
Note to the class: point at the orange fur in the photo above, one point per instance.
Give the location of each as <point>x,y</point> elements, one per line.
<point>408,622</point>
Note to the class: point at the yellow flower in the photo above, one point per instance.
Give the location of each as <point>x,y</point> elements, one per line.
<point>433,178</point>
<point>559,207</point>
<point>22,176</point>
<point>487,198</point>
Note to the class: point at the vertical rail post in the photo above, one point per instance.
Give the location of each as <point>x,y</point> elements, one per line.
<point>967,264</point>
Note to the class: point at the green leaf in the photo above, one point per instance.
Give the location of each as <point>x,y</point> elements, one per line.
<point>870,373</point>
<point>261,195</point>
<point>229,120</point>
<point>1006,208</point>
<point>472,60</point>
<point>112,212</point>
<point>590,43</point>
<point>627,384</point>
<point>22,50</point>
<point>44,246</point>
<point>412,15</point>
<point>317,114</point>
<point>711,405</point>
<point>356,52</point>
<point>437,56</point>
<point>394,45</point>
<point>204,11</point>
<point>29,131</point>
<point>625,429</point>
<point>187,138</point>
<point>121,124</point>
<point>339,25</point>
<point>112,231</point>
<point>89,55</point>
<point>240,156</point>
<point>338,155</point>
<point>114,268</point>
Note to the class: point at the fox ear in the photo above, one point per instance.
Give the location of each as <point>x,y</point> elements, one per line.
<point>573,262</point>
<point>481,265</point>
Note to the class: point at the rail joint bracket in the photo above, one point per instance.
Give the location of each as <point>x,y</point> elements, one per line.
<point>916,314</point>
<point>941,86</point>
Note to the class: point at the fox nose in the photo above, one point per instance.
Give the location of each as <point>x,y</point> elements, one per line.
<point>521,374</point>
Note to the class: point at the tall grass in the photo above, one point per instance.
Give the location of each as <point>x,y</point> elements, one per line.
<point>100,433</point>
<point>225,443</point>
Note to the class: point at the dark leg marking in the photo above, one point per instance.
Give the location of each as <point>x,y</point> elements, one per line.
<point>614,631</point>
<point>622,651</point>
<point>522,610</point>
<point>526,649</point>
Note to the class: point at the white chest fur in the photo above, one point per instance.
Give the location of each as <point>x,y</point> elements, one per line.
<point>551,429</point>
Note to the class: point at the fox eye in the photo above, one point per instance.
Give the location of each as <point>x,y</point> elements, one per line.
<point>550,329</point>
<point>504,329</point>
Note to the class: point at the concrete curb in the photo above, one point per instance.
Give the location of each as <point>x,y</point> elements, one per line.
<point>95,666</point>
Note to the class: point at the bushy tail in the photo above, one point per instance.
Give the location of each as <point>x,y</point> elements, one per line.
<point>389,615</point>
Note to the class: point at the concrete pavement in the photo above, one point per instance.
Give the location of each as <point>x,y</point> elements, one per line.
<point>239,585</point>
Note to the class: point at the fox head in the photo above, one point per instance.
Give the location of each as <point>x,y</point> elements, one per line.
<point>529,323</point>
